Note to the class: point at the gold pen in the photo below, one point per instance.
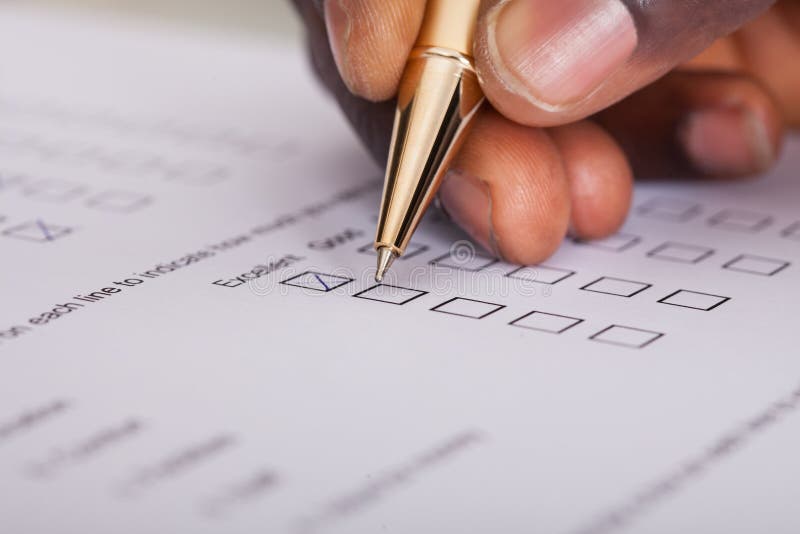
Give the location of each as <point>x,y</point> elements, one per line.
<point>438,97</point>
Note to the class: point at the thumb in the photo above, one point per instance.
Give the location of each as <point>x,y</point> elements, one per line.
<point>545,63</point>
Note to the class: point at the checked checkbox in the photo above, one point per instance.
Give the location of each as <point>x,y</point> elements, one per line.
<point>315,281</point>
<point>38,231</point>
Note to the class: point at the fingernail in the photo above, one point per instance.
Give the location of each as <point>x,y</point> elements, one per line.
<point>466,200</point>
<point>727,141</point>
<point>556,53</point>
<point>337,21</point>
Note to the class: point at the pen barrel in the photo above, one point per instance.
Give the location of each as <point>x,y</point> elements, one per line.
<point>437,99</point>
<point>449,24</point>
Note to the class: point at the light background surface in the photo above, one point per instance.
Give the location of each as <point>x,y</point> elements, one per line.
<point>254,17</point>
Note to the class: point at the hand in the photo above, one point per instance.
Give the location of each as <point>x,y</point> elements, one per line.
<point>583,93</point>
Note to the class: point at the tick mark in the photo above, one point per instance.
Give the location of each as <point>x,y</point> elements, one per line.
<point>48,236</point>
<point>321,282</point>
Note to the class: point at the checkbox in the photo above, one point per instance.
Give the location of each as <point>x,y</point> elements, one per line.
<point>615,243</point>
<point>474,309</point>
<point>53,190</point>
<point>625,336</point>
<point>7,181</point>
<point>546,322</point>
<point>616,286</point>
<point>196,173</point>
<point>681,253</point>
<point>694,300</point>
<point>747,263</point>
<point>119,201</point>
<point>541,274</point>
<point>792,232</point>
<point>413,249</point>
<point>390,294</point>
<point>38,231</point>
<point>670,209</point>
<point>465,258</point>
<point>315,281</point>
<point>740,221</point>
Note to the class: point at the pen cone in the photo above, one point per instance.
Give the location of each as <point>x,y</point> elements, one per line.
<point>385,259</point>
<point>437,99</point>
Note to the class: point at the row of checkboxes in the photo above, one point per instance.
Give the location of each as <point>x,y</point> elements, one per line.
<point>536,320</point>
<point>62,191</point>
<point>683,298</point>
<point>41,231</point>
<point>735,220</point>
<point>541,321</point>
<point>543,274</point>
<point>547,275</point>
<point>693,254</point>
<point>192,172</point>
<point>550,323</point>
<point>170,131</point>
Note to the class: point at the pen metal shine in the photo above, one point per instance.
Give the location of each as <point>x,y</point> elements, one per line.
<point>437,99</point>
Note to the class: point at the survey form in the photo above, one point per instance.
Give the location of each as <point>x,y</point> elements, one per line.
<point>189,322</point>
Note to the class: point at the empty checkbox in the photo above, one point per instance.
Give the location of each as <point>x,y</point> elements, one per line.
<point>792,232</point>
<point>680,252</point>
<point>670,209</point>
<point>546,322</point>
<point>541,274</point>
<point>615,243</point>
<point>413,249</point>
<point>119,201</point>
<point>8,181</point>
<point>317,281</point>
<point>747,263</point>
<point>474,309</point>
<point>616,286</point>
<point>464,258</point>
<point>197,173</point>
<point>625,336</point>
<point>390,294</point>
<point>694,300</point>
<point>53,190</point>
<point>740,221</point>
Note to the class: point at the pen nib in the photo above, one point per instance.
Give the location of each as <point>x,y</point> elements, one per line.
<point>385,259</point>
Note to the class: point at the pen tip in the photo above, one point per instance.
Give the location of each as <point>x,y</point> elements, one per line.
<point>385,259</point>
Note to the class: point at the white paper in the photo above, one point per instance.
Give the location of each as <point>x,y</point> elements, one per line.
<point>184,230</point>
